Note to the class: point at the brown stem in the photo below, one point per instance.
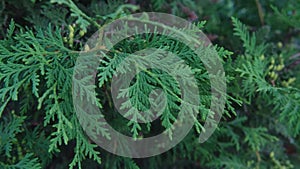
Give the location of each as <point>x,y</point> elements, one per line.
<point>260,12</point>
<point>258,159</point>
<point>295,56</point>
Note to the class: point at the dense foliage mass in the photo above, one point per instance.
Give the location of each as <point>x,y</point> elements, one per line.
<point>257,41</point>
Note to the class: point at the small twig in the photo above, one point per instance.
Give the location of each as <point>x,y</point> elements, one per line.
<point>258,159</point>
<point>258,156</point>
<point>294,63</point>
<point>260,12</point>
<point>295,56</point>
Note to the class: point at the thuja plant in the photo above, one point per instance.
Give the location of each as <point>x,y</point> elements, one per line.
<point>39,125</point>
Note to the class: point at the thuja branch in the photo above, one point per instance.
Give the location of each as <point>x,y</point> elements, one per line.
<point>76,11</point>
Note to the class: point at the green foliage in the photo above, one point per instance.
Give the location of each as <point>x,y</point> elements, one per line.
<point>288,15</point>
<point>249,41</point>
<point>39,128</point>
<point>9,129</point>
<point>81,18</point>
<point>254,71</point>
<point>9,136</point>
<point>39,66</point>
